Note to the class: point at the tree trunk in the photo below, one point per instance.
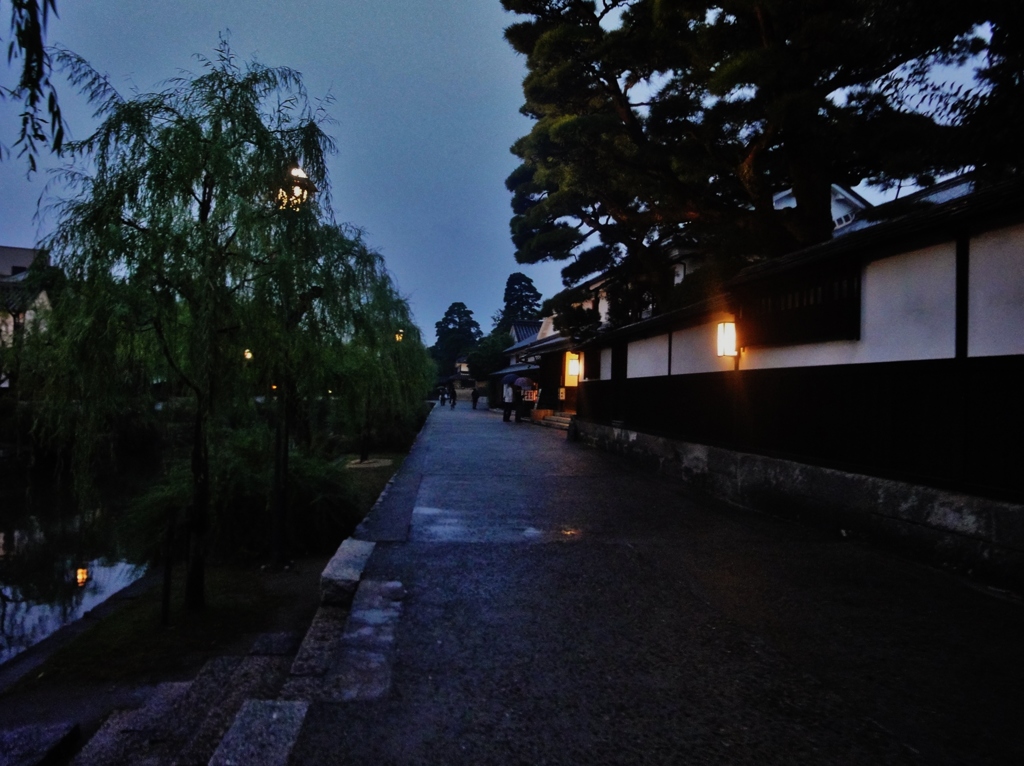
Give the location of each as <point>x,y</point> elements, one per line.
<point>280,489</point>
<point>165,596</point>
<point>364,450</point>
<point>198,514</point>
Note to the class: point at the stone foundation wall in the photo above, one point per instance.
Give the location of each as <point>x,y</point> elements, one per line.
<point>972,534</point>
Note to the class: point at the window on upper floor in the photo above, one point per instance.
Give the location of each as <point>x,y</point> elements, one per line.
<point>801,308</point>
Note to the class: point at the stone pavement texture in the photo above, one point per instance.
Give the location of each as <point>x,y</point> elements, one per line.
<point>550,604</point>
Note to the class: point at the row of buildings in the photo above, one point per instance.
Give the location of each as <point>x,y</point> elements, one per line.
<point>874,382</point>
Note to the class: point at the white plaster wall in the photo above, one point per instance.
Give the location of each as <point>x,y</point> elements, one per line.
<point>606,364</point>
<point>995,303</point>
<point>695,349</point>
<point>647,358</point>
<point>908,311</point>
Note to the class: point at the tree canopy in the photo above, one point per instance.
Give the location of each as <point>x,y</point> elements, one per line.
<point>520,302</point>
<point>663,125</point>
<point>457,333</point>
<point>29,19</point>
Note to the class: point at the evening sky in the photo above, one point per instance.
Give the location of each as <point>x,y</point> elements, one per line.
<point>426,98</point>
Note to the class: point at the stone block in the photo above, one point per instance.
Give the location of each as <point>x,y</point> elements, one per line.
<point>31,745</point>
<point>357,675</point>
<point>262,734</point>
<point>341,576</point>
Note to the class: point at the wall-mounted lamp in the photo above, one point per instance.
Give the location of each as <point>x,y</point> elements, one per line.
<point>727,339</point>
<point>574,367</point>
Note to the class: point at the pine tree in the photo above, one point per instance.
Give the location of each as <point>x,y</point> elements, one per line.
<point>457,333</point>
<point>521,301</point>
<point>663,124</point>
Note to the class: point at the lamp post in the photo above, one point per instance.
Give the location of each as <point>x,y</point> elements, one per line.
<point>290,199</point>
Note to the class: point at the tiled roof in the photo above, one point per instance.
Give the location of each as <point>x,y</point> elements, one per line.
<point>524,330</point>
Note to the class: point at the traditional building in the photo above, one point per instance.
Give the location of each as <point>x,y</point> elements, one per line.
<point>19,302</point>
<point>874,380</point>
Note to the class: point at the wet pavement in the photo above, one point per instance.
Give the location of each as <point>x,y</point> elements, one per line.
<point>563,607</point>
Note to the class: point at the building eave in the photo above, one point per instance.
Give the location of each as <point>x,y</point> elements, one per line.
<point>912,225</point>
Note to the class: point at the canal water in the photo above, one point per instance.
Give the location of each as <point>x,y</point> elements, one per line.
<point>56,563</point>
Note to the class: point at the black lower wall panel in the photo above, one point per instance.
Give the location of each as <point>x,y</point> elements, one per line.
<point>955,424</point>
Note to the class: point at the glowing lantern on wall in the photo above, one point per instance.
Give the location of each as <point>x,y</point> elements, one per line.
<point>727,339</point>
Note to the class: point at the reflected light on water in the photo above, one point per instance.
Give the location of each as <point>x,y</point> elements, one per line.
<point>24,621</point>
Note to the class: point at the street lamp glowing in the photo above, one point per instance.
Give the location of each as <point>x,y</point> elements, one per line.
<point>81,576</point>
<point>399,335</point>
<point>727,339</point>
<point>247,354</point>
<point>300,188</point>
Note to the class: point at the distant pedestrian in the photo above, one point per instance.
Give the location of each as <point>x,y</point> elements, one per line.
<point>517,402</point>
<point>507,400</point>
<point>452,395</point>
<point>475,396</point>
<point>442,397</point>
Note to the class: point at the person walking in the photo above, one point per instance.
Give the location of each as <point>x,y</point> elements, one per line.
<point>452,395</point>
<point>507,400</point>
<point>475,396</point>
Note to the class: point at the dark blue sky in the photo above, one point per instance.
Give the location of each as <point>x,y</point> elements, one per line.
<point>426,95</point>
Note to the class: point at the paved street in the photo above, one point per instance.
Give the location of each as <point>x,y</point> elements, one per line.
<point>564,607</point>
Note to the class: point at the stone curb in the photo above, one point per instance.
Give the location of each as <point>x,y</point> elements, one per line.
<point>341,576</point>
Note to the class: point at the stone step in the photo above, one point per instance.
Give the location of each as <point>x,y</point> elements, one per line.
<point>135,737</point>
<point>256,677</point>
<point>182,723</point>
<point>560,422</point>
<point>262,734</point>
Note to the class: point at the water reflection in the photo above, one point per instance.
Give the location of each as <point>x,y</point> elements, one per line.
<point>24,622</point>
<point>55,565</point>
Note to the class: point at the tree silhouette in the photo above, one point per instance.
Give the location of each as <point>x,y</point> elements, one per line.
<point>29,19</point>
<point>521,302</point>
<point>457,334</point>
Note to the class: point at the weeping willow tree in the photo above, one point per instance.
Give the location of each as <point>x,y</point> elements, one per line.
<point>322,325</point>
<point>383,367</point>
<point>171,219</point>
